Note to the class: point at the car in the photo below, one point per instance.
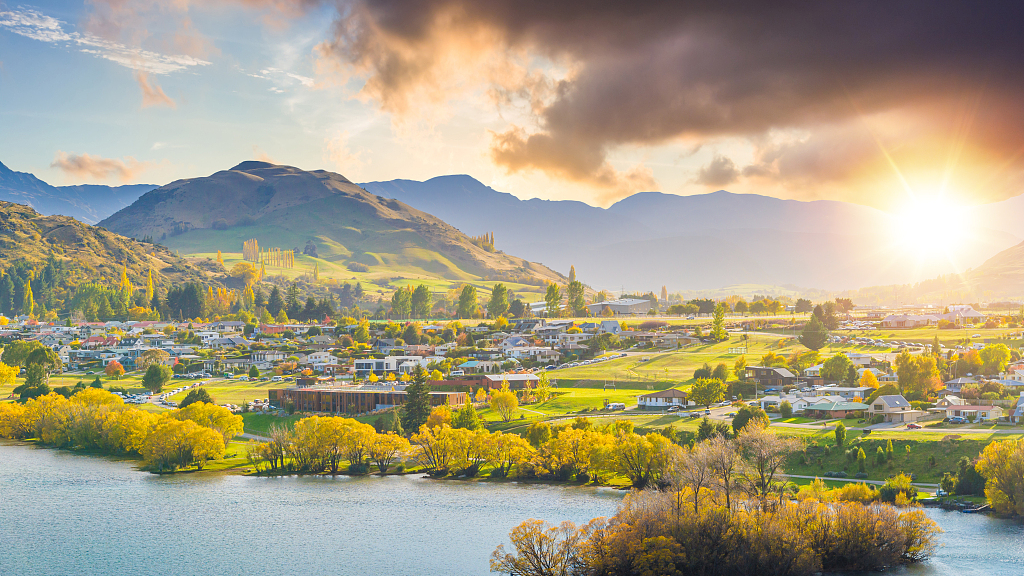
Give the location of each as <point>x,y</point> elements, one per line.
<point>913,426</point>
<point>694,415</point>
<point>731,414</point>
<point>975,335</point>
<point>673,408</point>
<point>707,412</point>
<point>958,420</point>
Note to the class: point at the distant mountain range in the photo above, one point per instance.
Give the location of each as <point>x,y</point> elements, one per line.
<point>320,213</point>
<point>689,243</point>
<point>699,242</point>
<point>88,203</point>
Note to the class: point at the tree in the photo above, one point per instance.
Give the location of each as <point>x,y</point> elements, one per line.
<point>844,305</point>
<point>1002,465</point>
<point>27,300</point>
<point>718,333</point>
<point>196,395</point>
<point>765,454</point>
<point>739,368</point>
<point>504,402</point>
<point>467,302</point>
<point>747,416</point>
<point>868,380</point>
<point>156,376</point>
<point>576,301</point>
<point>994,358</point>
<point>385,448</point>
<point>553,300</point>
<point>245,272</point>
<point>420,303</point>
<point>707,391</point>
<point>543,391</point>
<point>538,434</point>
<point>275,304</point>
<point>467,418</point>
<point>802,305</point>
<point>401,303</point>
<point>721,372</point>
<point>416,409</point>
<point>254,372</point>
<point>815,334</point>
<point>543,550</point>
<point>150,357</point>
<point>114,369</point>
<point>517,309</point>
<point>840,435</point>
<point>836,368</point>
<point>498,304</point>
<point>786,409</point>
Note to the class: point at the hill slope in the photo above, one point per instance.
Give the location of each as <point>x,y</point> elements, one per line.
<point>93,253</point>
<point>88,203</point>
<point>697,242</point>
<point>285,207</point>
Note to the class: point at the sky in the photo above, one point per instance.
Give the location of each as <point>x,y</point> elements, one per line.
<point>899,106</point>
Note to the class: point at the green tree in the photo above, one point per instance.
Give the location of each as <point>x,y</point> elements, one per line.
<point>498,304</point>
<point>417,407</point>
<point>421,300</point>
<point>254,372</point>
<point>739,368</point>
<point>553,300</point>
<point>802,305</point>
<point>718,332</point>
<point>836,368</point>
<point>707,391</point>
<point>28,302</point>
<point>840,435</point>
<point>786,409</point>
<point>276,302</point>
<point>861,459</point>
<point>156,376</point>
<point>196,395</point>
<point>538,434</point>
<point>467,302</point>
<point>576,302</point>
<point>721,372</point>
<point>401,303</point>
<point>815,334</point>
<point>994,358</point>
<point>748,415</point>
<point>467,417</point>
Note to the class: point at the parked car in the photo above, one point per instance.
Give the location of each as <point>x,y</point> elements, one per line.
<point>913,426</point>
<point>673,408</point>
<point>958,420</point>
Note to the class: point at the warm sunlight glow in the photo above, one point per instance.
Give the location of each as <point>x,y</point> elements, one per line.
<point>930,229</point>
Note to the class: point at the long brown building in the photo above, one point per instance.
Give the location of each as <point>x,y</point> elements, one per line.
<point>353,400</point>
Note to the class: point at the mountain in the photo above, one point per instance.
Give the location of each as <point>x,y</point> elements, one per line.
<point>92,253</point>
<point>289,208</point>
<point>698,242</point>
<point>87,203</point>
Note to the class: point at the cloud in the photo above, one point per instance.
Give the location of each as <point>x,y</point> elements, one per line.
<point>720,172</point>
<point>152,93</point>
<point>88,167</point>
<point>602,75</point>
<point>38,26</point>
<point>337,152</point>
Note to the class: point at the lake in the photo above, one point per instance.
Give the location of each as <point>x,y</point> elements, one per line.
<point>63,514</point>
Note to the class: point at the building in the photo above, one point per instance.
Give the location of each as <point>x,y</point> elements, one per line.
<point>1017,413</point>
<point>621,306</point>
<point>832,409</point>
<point>770,377</point>
<point>974,413</point>
<point>381,366</point>
<point>661,400</point>
<point>894,409</point>
<point>354,399</point>
<point>909,320</point>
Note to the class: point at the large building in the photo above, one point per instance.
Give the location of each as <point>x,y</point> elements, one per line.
<point>621,306</point>
<point>354,399</point>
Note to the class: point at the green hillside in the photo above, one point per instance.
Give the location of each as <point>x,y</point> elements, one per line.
<point>90,253</point>
<point>290,209</point>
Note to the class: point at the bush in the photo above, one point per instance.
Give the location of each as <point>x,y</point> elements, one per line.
<point>896,485</point>
<point>861,475</point>
<point>786,409</point>
<point>357,267</point>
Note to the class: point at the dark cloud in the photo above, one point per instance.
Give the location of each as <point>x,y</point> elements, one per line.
<point>647,73</point>
<point>720,172</point>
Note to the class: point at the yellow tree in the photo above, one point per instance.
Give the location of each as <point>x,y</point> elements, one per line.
<point>206,445</point>
<point>1002,465</point>
<point>126,284</point>
<point>212,416</point>
<point>385,448</point>
<point>439,416</point>
<point>149,286</point>
<point>220,258</point>
<point>505,402</point>
<point>868,380</point>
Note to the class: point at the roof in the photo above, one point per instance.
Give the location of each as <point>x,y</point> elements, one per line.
<point>670,393</point>
<point>511,377</point>
<point>832,406</point>
<point>895,401</point>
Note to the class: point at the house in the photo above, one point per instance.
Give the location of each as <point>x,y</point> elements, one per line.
<point>661,400</point>
<point>831,409</point>
<point>515,381</point>
<point>609,327</point>
<point>957,384</point>
<point>894,408</point>
<point>228,342</point>
<point>961,314</point>
<point>848,393</point>
<point>576,338</point>
<point>538,353</point>
<point>909,320</point>
<point>381,366</point>
<point>621,306</point>
<point>1017,413</point>
<point>799,403</point>
<point>770,377</point>
<point>974,413</point>
<point>513,342</point>
<point>946,401</point>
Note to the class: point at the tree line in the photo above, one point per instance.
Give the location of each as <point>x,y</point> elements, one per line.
<point>96,419</point>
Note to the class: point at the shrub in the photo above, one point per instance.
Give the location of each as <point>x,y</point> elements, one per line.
<point>357,267</point>
<point>897,485</point>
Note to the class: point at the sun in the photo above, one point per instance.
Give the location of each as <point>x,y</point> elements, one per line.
<point>931,228</point>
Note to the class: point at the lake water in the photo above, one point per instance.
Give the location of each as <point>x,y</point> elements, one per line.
<point>67,514</point>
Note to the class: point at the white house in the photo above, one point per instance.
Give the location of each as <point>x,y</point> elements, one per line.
<point>895,409</point>
<point>661,400</point>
